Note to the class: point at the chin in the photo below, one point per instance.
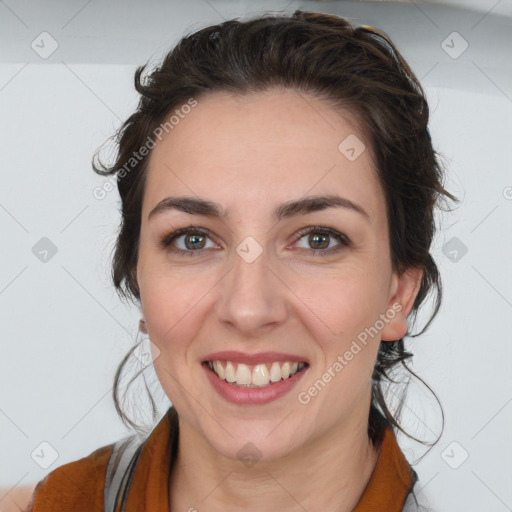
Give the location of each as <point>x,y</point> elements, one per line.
<point>252,441</point>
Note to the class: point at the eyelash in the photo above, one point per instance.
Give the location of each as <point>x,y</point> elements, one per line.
<point>167,239</point>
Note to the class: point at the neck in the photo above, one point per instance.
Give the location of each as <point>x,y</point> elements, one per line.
<point>329,474</point>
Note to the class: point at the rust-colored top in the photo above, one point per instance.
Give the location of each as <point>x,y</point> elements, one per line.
<point>78,486</point>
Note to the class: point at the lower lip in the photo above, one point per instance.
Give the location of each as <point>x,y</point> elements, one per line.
<point>254,396</point>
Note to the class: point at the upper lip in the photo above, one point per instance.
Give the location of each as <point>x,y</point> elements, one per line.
<point>260,357</point>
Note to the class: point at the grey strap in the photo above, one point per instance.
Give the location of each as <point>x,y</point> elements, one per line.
<point>122,458</point>
<point>411,503</point>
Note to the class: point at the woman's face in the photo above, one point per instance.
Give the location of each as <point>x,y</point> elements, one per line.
<point>259,285</point>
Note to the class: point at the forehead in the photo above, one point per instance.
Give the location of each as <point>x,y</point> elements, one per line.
<point>259,147</point>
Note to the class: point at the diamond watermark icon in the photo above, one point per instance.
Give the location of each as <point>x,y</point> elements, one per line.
<point>249,249</point>
<point>44,250</point>
<point>454,45</point>
<point>44,45</point>
<point>454,249</point>
<point>146,352</point>
<point>454,455</point>
<point>351,147</point>
<point>249,454</point>
<point>44,455</point>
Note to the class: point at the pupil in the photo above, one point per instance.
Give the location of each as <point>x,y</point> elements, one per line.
<point>316,238</point>
<point>194,239</point>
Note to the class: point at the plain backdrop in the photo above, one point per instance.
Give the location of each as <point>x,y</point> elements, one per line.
<point>64,330</point>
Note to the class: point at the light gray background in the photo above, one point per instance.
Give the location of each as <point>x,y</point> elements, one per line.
<point>64,328</point>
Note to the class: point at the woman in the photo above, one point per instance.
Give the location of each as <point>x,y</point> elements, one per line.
<point>278,187</point>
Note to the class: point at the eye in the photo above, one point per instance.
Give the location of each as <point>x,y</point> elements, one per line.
<point>193,240</point>
<point>318,238</point>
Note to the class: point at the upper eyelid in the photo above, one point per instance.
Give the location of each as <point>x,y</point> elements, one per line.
<point>327,230</point>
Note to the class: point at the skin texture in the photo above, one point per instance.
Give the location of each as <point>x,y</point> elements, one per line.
<point>15,499</point>
<point>251,153</point>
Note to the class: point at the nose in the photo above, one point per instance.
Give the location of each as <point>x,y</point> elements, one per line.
<point>253,299</point>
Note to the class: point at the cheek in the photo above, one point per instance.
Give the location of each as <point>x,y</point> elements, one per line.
<point>343,301</point>
<point>176,305</point>
<point>173,316</point>
<point>346,306</point>
<point>169,300</point>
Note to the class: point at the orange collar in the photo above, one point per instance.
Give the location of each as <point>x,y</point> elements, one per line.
<point>390,483</point>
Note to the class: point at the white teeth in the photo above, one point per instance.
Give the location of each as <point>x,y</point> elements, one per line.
<point>275,372</point>
<point>285,370</point>
<point>219,370</point>
<point>259,376</point>
<point>230,372</point>
<point>243,374</point>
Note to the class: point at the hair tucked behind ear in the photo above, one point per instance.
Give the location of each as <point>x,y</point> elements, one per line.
<point>357,70</point>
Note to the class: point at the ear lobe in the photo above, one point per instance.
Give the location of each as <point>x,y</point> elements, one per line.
<point>400,305</point>
<point>142,326</point>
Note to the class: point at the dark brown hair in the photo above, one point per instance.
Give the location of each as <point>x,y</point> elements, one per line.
<point>357,70</point>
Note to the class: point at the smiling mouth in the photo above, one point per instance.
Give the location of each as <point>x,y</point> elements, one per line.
<point>255,376</point>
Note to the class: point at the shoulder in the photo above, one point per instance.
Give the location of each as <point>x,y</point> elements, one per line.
<point>76,486</point>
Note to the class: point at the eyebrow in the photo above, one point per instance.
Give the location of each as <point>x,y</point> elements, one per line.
<point>196,206</point>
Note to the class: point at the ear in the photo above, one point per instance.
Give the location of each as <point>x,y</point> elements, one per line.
<point>403,292</point>
<point>142,322</point>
